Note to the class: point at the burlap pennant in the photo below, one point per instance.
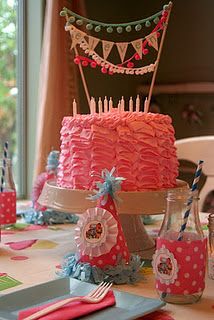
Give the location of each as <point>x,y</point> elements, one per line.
<point>122,47</point>
<point>137,44</point>
<point>76,37</point>
<point>153,40</point>
<point>107,46</point>
<point>92,43</point>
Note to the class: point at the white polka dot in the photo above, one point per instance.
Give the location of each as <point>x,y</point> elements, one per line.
<point>7,220</point>
<point>111,207</point>
<point>120,238</point>
<point>201,256</point>
<point>168,290</point>
<point>196,249</point>
<point>188,258</point>
<point>2,205</point>
<point>177,283</point>
<point>156,285</point>
<point>8,210</point>
<point>186,275</point>
<point>1,215</point>
<point>125,253</point>
<point>195,266</point>
<point>186,292</point>
<point>100,262</point>
<point>193,283</point>
<point>8,199</point>
<point>118,247</point>
<point>3,195</point>
<point>179,249</point>
<point>114,257</point>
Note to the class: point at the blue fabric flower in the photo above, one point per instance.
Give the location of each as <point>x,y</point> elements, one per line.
<point>110,186</point>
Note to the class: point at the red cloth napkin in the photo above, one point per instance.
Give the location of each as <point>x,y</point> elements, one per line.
<point>71,310</point>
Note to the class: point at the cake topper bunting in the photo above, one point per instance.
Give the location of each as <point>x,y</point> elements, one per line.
<point>97,51</point>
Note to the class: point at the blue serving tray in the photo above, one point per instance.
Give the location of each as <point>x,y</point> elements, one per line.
<point>128,306</point>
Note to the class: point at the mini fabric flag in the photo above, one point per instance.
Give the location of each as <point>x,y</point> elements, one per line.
<point>92,43</point>
<point>76,37</point>
<point>122,47</point>
<point>153,40</point>
<point>137,44</point>
<point>107,46</point>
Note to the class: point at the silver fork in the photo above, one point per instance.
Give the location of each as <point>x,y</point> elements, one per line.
<point>94,296</point>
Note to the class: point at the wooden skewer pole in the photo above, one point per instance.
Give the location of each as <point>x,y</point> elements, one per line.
<point>158,57</point>
<point>83,79</point>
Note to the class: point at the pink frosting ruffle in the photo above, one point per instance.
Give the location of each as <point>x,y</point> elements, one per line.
<point>139,145</point>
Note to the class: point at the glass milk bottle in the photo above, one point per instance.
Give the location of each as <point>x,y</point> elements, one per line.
<point>7,194</point>
<point>180,258</point>
<point>211,246</point>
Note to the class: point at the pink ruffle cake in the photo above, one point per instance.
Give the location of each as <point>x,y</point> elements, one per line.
<point>139,145</point>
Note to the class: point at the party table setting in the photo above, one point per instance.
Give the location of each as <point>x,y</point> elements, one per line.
<point>81,246</point>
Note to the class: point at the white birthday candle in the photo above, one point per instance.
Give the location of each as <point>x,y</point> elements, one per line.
<point>110,104</point>
<point>146,105</point>
<point>100,106</point>
<point>92,105</point>
<point>74,108</point>
<point>122,104</point>
<point>138,103</point>
<point>130,105</point>
<point>119,106</point>
<point>105,104</point>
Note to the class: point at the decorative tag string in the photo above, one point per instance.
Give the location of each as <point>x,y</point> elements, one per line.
<point>190,200</point>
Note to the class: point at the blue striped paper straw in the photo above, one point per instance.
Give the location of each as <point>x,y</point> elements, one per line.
<point>189,202</point>
<point>5,153</point>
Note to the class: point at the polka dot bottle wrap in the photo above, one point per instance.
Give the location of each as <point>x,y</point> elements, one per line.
<point>179,266</point>
<point>7,207</point>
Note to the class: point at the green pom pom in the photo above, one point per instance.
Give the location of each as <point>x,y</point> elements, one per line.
<point>63,13</point>
<point>128,28</point>
<point>89,26</point>
<point>138,27</point>
<point>156,20</point>
<point>119,29</point>
<point>97,28</point>
<point>109,29</point>
<point>148,23</point>
<point>71,19</point>
<point>79,22</point>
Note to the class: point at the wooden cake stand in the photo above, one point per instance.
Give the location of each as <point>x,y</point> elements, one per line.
<point>131,208</point>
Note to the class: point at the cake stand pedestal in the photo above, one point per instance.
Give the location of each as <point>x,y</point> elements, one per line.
<point>132,207</point>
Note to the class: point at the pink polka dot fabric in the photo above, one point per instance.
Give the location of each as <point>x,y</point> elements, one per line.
<point>7,207</point>
<point>120,248</point>
<point>191,262</point>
